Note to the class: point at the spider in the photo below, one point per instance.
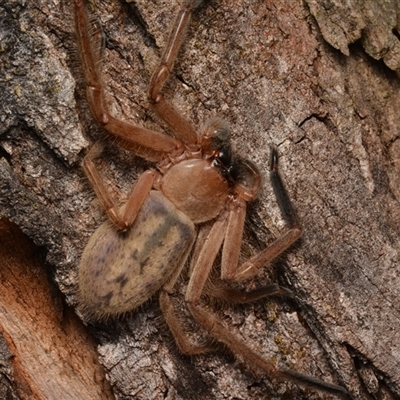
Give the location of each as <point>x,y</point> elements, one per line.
<point>198,182</point>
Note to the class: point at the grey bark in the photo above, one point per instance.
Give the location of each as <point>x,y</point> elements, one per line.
<point>269,68</point>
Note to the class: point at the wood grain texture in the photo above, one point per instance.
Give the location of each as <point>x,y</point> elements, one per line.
<point>53,357</point>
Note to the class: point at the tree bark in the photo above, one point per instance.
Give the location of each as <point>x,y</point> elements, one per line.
<point>50,352</point>
<point>319,81</point>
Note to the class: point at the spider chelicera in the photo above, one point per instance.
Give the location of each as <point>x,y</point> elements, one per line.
<point>198,182</point>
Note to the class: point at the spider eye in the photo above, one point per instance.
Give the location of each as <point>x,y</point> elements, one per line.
<point>224,156</point>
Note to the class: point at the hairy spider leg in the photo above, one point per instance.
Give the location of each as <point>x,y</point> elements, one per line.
<point>230,270</point>
<point>183,128</point>
<point>123,217</point>
<point>89,43</point>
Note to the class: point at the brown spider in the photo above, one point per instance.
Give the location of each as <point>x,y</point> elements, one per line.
<point>197,179</point>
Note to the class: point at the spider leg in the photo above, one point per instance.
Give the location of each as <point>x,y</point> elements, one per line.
<point>230,255</point>
<point>123,217</point>
<point>183,129</point>
<point>89,37</point>
<point>174,323</point>
<point>182,341</point>
<point>217,290</point>
<point>214,239</point>
<point>221,332</point>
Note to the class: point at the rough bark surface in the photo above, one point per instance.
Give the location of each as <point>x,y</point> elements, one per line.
<point>374,23</point>
<point>269,69</point>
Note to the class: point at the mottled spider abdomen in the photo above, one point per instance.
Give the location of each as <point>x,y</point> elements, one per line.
<point>119,271</point>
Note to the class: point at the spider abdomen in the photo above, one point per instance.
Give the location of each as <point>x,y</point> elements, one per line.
<point>119,271</point>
